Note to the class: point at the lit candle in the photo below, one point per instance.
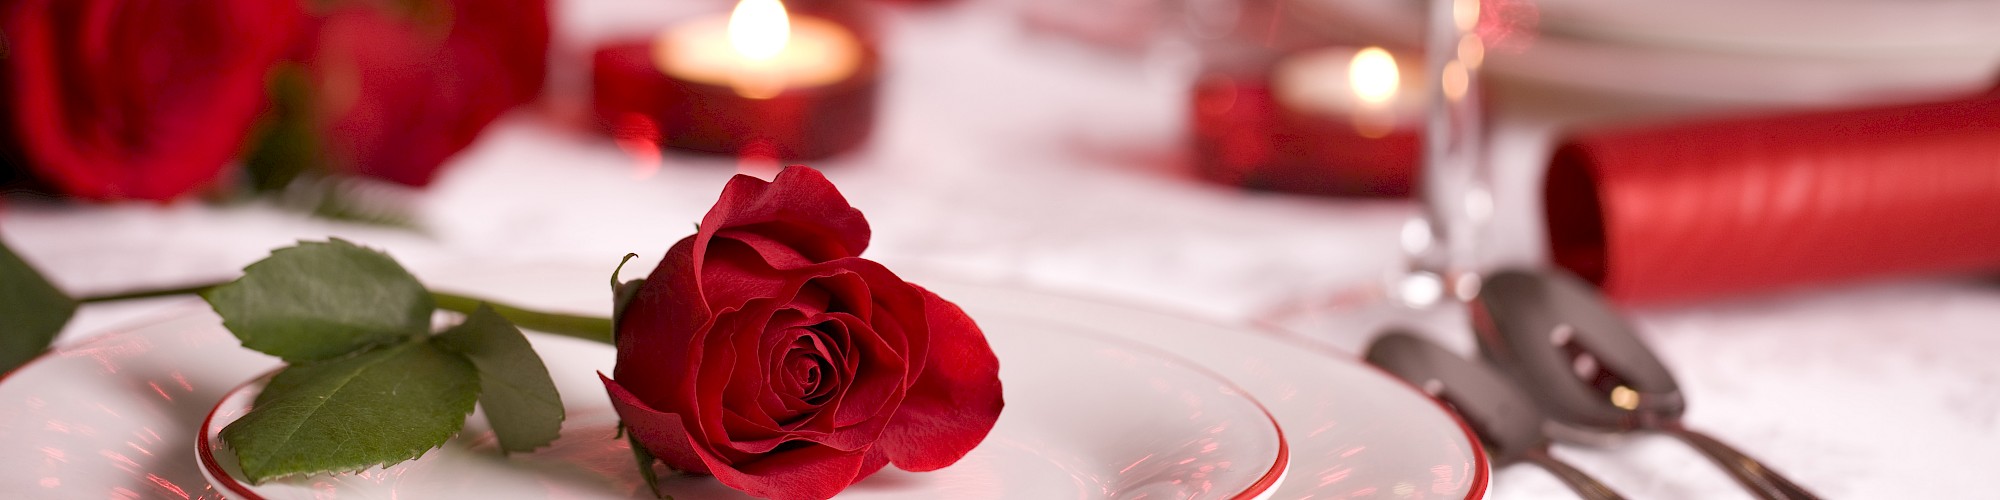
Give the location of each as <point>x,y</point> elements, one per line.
<point>1364,86</point>
<point>757,81</point>
<point>759,51</point>
<point>1333,120</point>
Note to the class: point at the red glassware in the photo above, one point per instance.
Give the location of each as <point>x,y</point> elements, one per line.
<point>1243,135</point>
<point>635,99</point>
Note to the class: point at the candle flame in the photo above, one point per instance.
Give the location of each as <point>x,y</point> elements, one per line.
<point>1373,76</point>
<point>759,29</point>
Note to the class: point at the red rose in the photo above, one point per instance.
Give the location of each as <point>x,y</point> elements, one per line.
<point>403,86</point>
<point>763,351</point>
<point>119,99</point>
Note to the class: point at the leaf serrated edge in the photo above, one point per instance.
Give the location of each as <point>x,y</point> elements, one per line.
<point>208,296</point>
<point>414,454</point>
<point>383,465</point>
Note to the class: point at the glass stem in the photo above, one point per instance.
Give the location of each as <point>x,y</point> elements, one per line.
<point>1453,182</point>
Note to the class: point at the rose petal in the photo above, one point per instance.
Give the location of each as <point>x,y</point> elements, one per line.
<point>751,385</point>
<point>776,253</point>
<point>754,437</point>
<point>405,97</point>
<point>808,473</point>
<point>873,463</point>
<point>856,415</point>
<point>846,290</point>
<point>955,401</point>
<point>714,379</point>
<point>815,369</point>
<point>897,312</point>
<point>833,377</point>
<point>802,377</point>
<point>797,370</point>
<point>734,274</point>
<point>877,381</point>
<point>663,434</point>
<point>120,99</point>
<point>664,325</point>
<point>799,208</point>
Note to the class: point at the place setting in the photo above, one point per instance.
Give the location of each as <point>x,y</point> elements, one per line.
<point>1202,409</point>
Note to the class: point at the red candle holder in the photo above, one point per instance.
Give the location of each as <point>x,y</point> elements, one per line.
<point>1250,130</point>
<point>1243,136</point>
<point>636,98</point>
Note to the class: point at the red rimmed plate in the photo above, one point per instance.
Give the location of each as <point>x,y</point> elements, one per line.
<point>116,416</point>
<point>1088,416</point>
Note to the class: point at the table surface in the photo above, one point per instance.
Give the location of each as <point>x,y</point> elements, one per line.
<point>1010,156</point>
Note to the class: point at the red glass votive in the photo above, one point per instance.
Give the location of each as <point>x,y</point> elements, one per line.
<point>635,98</point>
<point>1244,137</point>
<point>1255,132</point>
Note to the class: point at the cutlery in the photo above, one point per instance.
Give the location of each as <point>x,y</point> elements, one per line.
<point>1558,337</point>
<point>1505,418</point>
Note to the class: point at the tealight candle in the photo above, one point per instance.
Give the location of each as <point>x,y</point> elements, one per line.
<point>1334,120</point>
<point>758,81</point>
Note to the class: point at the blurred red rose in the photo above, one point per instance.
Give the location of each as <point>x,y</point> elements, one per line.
<point>136,99</point>
<point>763,351</point>
<point>402,86</point>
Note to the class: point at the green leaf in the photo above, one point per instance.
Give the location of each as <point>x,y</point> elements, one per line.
<point>381,407</point>
<point>319,301</point>
<point>514,386</point>
<point>32,311</point>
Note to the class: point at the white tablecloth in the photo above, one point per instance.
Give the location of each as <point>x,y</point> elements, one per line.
<point>1006,156</point>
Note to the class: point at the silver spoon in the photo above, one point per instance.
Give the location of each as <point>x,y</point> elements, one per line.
<point>1506,419</point>
<point>1558,337</point>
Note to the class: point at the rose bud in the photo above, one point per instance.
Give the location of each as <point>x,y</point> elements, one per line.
<point>764,351</point>
<point>403,86</point>
<point>135,99</point>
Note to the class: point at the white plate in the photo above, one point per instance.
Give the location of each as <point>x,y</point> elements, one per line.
<point>1844,28</point>
<point>1088,416</point>
<point>88,422</point>
<point>1765,52</point>
<point>114,416</point>
<point>1353,431</point>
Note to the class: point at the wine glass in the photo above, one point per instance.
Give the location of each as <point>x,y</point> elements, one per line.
<point>1444,244</point>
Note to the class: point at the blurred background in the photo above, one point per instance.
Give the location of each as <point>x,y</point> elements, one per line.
<point>1799,202</point>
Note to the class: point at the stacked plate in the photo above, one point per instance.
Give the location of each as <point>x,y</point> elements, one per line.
<point>1767,52</point>
<point>1103,401</point>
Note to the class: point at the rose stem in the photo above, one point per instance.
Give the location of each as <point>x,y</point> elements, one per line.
<point>591,328</point>
<point>148,294</point>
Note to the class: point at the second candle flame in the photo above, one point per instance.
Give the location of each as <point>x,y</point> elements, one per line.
<point>759,29</point>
